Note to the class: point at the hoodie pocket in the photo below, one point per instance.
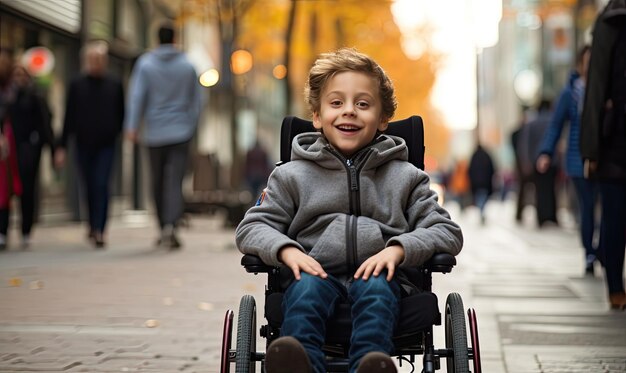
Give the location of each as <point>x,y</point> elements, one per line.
<point>369,239</point>
<point>330,248</point>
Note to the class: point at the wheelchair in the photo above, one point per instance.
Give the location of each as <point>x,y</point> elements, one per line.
<point>418,312</point>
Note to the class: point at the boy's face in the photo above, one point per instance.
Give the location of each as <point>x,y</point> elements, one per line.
<point>350,112</point>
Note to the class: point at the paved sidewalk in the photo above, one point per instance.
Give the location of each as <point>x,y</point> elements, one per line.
<point>68,307</point>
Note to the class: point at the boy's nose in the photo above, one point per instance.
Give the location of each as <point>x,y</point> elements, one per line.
<point>348,109</point>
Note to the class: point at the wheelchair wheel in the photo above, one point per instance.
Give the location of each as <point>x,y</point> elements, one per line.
<point>473,324</point>
<point>246,335</point>
<point>456,337</point>
<point>227,335</point>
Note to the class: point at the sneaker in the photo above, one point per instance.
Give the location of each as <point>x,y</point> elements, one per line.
<point>589,261</point>
<point>376,362</point>
<point>174,242</point>
<point>286,355</point>
<point>618,301</point>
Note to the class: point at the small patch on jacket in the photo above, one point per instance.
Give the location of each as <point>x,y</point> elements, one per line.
<point>261,198</point>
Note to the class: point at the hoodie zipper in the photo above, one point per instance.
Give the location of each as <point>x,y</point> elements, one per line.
<point>353,168</point>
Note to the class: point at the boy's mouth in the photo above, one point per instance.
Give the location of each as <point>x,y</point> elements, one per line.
<point>347,128</point>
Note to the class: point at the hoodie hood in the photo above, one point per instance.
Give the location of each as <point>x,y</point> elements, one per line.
<point>166,52</point>
<point>313,146</point>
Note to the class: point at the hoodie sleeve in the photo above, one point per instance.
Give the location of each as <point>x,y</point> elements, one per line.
<point>432,229</point>
<point>263,231</point>
<point>138,93</point>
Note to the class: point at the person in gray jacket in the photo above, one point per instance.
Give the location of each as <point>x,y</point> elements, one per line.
<point>165,93</point>
<point>344,215</point>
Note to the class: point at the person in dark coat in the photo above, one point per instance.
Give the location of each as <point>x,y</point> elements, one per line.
<point>523,173</point>
<point>31,119</point>
<point>530,145</point>
<point>257,169</point>
<point>481,171</point>
<point>603,140</point>
<point>94,117</point>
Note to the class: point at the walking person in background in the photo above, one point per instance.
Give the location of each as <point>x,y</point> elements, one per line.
<point>31,119</point>
<point>523,170</point>
<point>10,183</point>
<point>94,116</point>
<point>603,140</point>
<point>481,171</point>
<point>530,140</point>
<point>165,94</point>
<point>568,109</point>
<point>257,169</point>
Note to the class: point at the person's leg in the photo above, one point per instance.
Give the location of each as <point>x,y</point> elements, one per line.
<point>307,305</point>
<point>28,161</point>
<point>4,227</point>
<point>157,158</point>
<point>612,230</point>
<point>86,164</point>
<point>174,172</point>
<point>481,196</point>
<point>102,165</point>
<point>586,193</point>
<point>375,310</point>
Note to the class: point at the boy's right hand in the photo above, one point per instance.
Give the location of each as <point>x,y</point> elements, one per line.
<point>298,261</point>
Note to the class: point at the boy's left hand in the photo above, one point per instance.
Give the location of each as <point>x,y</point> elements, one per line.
<point>388,258</point>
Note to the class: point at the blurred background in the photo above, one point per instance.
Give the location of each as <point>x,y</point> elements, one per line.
<point>468,67</point>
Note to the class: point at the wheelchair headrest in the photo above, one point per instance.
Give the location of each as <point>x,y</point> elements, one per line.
<point>410,129</point>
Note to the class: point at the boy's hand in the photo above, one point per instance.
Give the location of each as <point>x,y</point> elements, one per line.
<point>388,258</point>
<point>299,261</point>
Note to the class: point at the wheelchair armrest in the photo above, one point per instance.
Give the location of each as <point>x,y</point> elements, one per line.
<point>254,264</point>
<point>441,262</point>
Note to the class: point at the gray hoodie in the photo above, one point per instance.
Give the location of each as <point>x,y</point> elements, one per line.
<point>342,212</point>
<point>166,94</point>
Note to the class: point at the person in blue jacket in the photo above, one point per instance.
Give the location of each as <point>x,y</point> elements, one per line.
<point>165,93</point>
<point>568,109</point>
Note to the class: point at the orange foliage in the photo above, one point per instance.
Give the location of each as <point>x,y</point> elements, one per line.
<point>322,26</point>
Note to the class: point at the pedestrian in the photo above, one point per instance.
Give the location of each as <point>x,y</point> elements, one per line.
<point>257,168</point>
<point>603,140</point>
<point>31,120</point>
<point>530,140</point>
<point>10,183</point>
<point>165,94</point>
<point>481,171</point>
<point>568,109</point>
<point>523,170</point>
<point>459,184</point>
<point>94,116</point>
<point>348,180</point>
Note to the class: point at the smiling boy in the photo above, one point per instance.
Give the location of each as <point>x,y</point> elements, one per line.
<point>343,216</point>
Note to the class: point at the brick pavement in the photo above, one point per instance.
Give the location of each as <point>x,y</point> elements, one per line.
<point>67,307</point>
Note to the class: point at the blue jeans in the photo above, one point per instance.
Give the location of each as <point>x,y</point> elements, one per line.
<point>95,166</point>
<point>309,302</point>
<point>586,191</point>
<point>612,234</point>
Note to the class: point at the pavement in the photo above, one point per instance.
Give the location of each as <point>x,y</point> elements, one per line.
<point>66,307</point>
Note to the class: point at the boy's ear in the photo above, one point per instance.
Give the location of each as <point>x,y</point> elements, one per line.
<point>317,122</point>
<point>383,125</point>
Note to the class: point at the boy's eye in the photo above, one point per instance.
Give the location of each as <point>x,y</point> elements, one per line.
<point>335,102</point>
<point>363,104</point>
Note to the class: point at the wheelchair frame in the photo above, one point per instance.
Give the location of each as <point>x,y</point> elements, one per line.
<point>456,352</point>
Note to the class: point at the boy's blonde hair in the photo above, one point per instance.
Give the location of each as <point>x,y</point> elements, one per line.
<point>343,60</point>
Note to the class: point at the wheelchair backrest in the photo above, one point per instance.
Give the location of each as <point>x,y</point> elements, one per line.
<point>410,129</point>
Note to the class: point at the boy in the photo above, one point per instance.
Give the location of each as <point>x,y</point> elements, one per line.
<point>343,215</point>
